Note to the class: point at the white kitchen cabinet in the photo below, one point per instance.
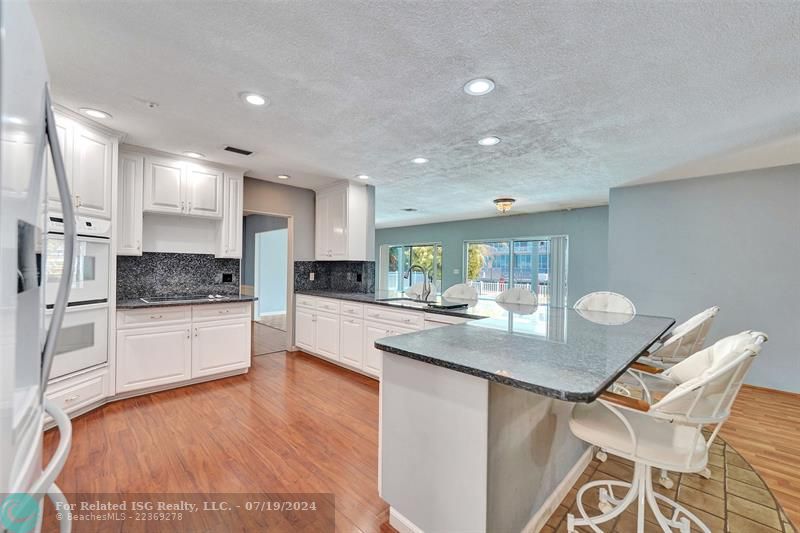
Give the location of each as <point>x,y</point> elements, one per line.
<point>203,191</point>
<point>88,154</point>
<point>164,181</point>
<point>150,357</point>
<point>351,342</point>
<point>129,204</point>
<point>305,329</point>
<point>230,229</point>
<point>373,358</point>
<point>327,335</point>
<point>345,223</point>
<point>220,346</point>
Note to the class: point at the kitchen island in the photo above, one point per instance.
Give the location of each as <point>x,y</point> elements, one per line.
<point>474,432</point>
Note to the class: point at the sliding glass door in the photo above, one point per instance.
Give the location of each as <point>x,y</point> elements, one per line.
<point>494,266</point>
<point>402,257</point>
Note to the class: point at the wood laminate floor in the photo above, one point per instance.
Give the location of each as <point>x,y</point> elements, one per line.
<point>297,424</point>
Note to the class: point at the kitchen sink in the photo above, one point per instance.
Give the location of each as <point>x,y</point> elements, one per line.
<point>405,302</point>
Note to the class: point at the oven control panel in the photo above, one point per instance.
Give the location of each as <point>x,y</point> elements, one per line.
<point>88,226</point>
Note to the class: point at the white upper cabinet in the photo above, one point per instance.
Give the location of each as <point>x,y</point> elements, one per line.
<point>345,223</point>
<point>88,155</point>
<point>203,191</point>
<point>163,185</point>
<point>230,230</point>
<point>180,188</point>
<point>129,204</point>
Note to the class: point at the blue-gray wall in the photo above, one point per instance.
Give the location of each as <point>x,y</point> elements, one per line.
<point>272,248</point>
<point>587,230</point>
<point>255,224</point>
<point>733,240</point>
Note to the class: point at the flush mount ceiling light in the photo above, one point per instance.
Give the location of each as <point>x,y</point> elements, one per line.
<point>504,204</point>
<point>254,99</point>
<point>94,113</point>
<point>419,160</point>
<point>479,86</point>
<point>489,141</point>
<point>196,155</point>
<point>362,177</point>
<point>283,176</point>
<point>409,209</point>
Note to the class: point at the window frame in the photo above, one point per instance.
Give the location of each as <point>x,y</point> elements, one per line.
<point>388,247</point>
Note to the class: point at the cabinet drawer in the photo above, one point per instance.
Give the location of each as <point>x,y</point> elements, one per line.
<point>154,316</point>
<point>351,309</point>
<point>217,311</point>
<point>400,318</point>
<point>309,302</point>
<point>327,305</point>
<point>80,391</point>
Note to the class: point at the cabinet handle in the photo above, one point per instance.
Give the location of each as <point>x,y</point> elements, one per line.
<point>224,311</point>
<point>70,399</point>
<point>195,332</point>
<point>188,334</point>
<point>138,245</point>
<point>156,317</point>
<point>77,200</point>
<point>189,208</point>
<point>406,320</point>
<point>183,206</point>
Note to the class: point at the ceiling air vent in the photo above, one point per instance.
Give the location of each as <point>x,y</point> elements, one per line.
<point>239,151</point>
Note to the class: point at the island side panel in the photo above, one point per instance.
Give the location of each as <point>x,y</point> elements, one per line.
<point>531,450</point>
<point>433,444</point>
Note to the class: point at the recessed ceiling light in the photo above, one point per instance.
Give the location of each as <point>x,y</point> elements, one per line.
<point>196,155</point>
<point>362,177</point>
<point>479,86</point>
<point>94,113</point>
<point>419,160</point>
<point>283,177</point>
<point>489,141</point>
<point>254,99</point>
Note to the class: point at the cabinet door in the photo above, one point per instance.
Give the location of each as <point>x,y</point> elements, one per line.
<point>230,241</point>
<point>220,347</point>
<point>149,357</point>
<point>321,229</point>
<point>203,192</point>
<point>327,335</point>
<point>91,172</point>
<point>337,224</point>
<point>163,185</point>
<point>351,343</point>
<point>129,205</point>
<point>372,356</point>
<point>304,329</point>
<point>64,130</point>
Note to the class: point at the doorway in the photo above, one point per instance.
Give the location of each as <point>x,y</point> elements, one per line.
<point>266,275</point>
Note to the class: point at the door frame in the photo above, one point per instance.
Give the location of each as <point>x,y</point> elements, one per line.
<point>289,270</point>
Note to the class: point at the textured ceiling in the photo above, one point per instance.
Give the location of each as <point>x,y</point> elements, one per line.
<point>589,95</point>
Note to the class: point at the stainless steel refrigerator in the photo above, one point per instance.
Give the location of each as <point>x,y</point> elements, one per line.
<point>28,138</point>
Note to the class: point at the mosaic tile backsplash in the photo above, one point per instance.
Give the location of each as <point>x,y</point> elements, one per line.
<point>339,276</point>
<point>169,274</point>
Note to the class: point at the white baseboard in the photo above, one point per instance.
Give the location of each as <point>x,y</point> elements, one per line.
<point>273,313</point>
<point>537,521</point>
<point>401,523</point>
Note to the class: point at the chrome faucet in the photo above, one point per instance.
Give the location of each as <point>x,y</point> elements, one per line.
<point>426,288</point>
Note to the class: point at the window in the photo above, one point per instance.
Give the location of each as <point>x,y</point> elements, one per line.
<point>396,260</point>
<point>496,265</point>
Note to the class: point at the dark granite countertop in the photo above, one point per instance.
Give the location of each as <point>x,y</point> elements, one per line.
<point>556,352</point>
<point>137,303</point>
<point>475,308</point>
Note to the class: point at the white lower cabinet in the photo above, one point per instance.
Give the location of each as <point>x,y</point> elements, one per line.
<point>149,357</point>
<point>373,357</point>
<point>220,347</point>
<point>180,344</point>
<point>305,329</point>
<point>327,335</point>
<point>351,345</point>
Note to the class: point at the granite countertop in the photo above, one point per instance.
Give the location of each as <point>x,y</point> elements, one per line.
<point>555,352</point>
<point>475,308</point>
<point>137,303</point>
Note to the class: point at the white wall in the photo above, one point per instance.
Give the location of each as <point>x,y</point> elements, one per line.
<point>733,240</point>
<point>176,234</point>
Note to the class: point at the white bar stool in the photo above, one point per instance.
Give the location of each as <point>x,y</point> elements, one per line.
<point>667,434</point>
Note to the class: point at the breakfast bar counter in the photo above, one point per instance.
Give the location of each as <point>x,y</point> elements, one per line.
<point>474,418</point>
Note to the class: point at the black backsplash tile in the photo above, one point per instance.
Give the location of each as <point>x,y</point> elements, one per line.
<point>169,274</point>
<point>339,276</point>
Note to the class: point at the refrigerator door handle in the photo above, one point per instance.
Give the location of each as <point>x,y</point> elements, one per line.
<point>68,213</point>
<point>53,468</point>
<point>61,503</point>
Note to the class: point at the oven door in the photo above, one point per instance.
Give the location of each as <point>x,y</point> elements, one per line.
<point>89,273</point>
<point>82,341</point>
